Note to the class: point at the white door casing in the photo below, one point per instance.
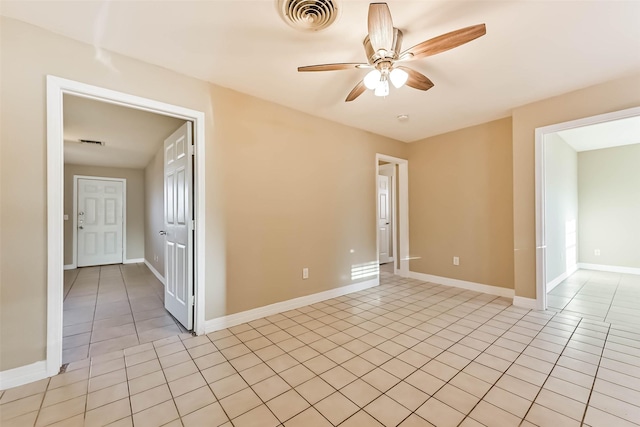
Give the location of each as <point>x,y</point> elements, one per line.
<point>178,223</point>
<point>99,221</point>
<point>56,88</point>
<point>401,213</point>
<point>384,218</point>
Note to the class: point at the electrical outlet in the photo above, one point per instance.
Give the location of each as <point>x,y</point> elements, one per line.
<point>305,273</point>
<point>597,252</point>
<point>456,260</point>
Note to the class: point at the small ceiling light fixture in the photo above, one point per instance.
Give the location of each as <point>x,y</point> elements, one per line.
<point>403,118</point>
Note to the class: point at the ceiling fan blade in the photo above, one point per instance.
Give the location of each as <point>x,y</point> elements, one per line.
<point>356,91</point>
<point>332,67</point>
<point>417,80</point>
<point>380,27</point>
<point>444,42</point>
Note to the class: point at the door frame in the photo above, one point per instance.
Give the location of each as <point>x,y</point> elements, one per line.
<point>56,88</point>
<point>401,231</point>
<point>74,223</point>
<point>540,190</point>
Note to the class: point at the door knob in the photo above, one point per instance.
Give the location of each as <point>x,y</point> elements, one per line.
<point>162,233</point>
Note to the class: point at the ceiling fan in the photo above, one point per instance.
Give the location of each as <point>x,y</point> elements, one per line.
<point>382,47</point>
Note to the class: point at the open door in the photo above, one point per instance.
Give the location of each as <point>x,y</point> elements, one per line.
<point>384,219</point>
<point>178,225</point>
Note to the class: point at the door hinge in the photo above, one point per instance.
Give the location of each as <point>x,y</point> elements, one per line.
<point>192,150</point>
<point>193,224</point>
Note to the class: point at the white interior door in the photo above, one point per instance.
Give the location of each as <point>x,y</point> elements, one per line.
<point>99,221</point>
<point>384,218</point>
<point>178,215</point>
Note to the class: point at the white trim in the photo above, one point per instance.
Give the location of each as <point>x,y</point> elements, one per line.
<point>74,220</point>
<point>523,302</point>
<point>56,88</point>
<point>472,286</point>
<point>70,267</point>
<point>541,270</point>
<point>23,375</point>
<point>133,261</point>
<point>155,272</point>
<point>279,307</point>
<point>609,268</point>
<point>555,282</point>
<point>402,216</point>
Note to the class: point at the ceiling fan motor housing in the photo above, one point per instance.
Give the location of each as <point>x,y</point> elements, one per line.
<point>373,57</point>
<point>308,15</point>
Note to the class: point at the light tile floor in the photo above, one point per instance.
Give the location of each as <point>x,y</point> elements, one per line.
<point>404,353</point>
<point>597,295</point>
<point>111,308</point>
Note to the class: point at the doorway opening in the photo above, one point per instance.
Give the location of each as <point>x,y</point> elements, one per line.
<point>573,214</point>
<point>57,90</point>
<point>392,214</point>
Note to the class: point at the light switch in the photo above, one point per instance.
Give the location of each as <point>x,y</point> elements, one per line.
<point>66,217</point>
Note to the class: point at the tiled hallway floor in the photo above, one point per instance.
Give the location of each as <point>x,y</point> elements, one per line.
<point>111,308</point>
<point>598,295</point>
<point>404,353</point>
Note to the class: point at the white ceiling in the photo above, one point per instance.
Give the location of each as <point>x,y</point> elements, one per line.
<point>132,137</point>
<point>603,135</point>
<point>532,50</point>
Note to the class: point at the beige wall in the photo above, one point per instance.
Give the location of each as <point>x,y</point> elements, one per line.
<point>599,99</point>
<point>284,190</point>
<point>299,192</point>
<point>561,206</point>
<point>460,199</point>
<point>609,194</point>
<point>154,211</point>
<point>135,206</point>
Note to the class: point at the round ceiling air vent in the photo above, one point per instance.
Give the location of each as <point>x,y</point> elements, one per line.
<point>308,15</point>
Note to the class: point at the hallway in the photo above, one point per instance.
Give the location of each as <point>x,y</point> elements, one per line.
<point>112,307</point>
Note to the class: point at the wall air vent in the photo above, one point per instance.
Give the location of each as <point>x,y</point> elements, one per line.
<point>308,15</point>
<point>92,142</point>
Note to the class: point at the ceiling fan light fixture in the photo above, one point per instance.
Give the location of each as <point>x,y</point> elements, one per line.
<point>372,79</point>
<point>383,88</point>
<point>398,77</point>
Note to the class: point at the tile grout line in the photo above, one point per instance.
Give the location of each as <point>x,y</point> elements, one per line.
<point>613,297</point>
<point>126,290</point>
<point>549,375</point>
<point>93,321</point>
<point>595,378</point>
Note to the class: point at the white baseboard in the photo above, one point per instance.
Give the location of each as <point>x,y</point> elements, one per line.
<point>70,267</point>
<point>133,261</point>
<point>555,282</point>
<point>472,286</point>
<point>530,303</point>
<point>609,268</point>
<point>154,271</point>
<point>279,307</point>
<point>23,375</point>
